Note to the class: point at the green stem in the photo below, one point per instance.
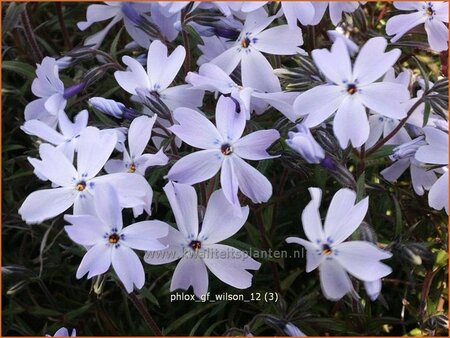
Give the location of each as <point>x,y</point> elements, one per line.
<point>383,141</point>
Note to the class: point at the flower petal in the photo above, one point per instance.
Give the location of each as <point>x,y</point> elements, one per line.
<point>182,96</point>
<point>43,131</point>
<point>162,69</point>
<point>391,96</point>
<point>436,151</point>
<point>228,60</point>
<point>190,271</point>
<point>312,224</point>
<point>220,221</point>
<point>55,166</point>
<point>175,242</point>
<point>361,259</point>
<point>312,104</point>
<point>334,64</point>
<point>313,258</point>
<point>230,123</point>
<point>144,235</point>
<point>139,134</point>
<point>96,261</point>
<point>438,195</point>
<point>279,40</point>
<point>251,182</point>
<point>85,229</point>
<point>134,77</point>
<point>372,62</point>
<point>399,25</point>
<point>107,206</point>
<point>45,204</point>
<point>351,113</point>
<point>183,201</point>
<point>257,73</point>
<point>196,167</point>
<point>343,218</point>
<point>229,183</point>
<point>128,267</point>
<point>393,172</point>
<point>253,146</point>
<point>334,281</point>
<point>94,149</point>
<point>195,129</point>
<point>230,265</point>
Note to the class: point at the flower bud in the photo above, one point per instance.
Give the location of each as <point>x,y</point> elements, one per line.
<point>304,143</point>
<point>407,149</point>
<point>74,89</point>
<point>109,107</point>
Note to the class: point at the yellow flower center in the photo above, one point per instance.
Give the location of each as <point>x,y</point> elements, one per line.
<point>113,238</point>
<point>132,168</point>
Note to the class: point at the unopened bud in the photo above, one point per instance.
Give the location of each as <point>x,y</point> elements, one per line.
<point>107,106</point>
<point>304,144</point>
<point>407,149</point>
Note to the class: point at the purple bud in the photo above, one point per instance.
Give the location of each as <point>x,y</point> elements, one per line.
<point>227,33</point>
<point>328,163</point>
<point>110,107</point>
<point>130,13</point>
<point>74,89</point>
<point>129,113</point>
<point>304,144</point>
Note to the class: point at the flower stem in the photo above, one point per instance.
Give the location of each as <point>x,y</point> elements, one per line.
<point>65,33</point>
<point>29,34</point>
<point>142,309</point>
<point>383,141</point>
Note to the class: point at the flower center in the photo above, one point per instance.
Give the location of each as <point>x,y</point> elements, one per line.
<point>326,250</point>
<point>226,149</point>
<point>132,168</point>
<point>245,42</point>
<point>113,238</point>
<point>80,186</point>
<point>429,11</point>
<point>351,89</point>
<point>195,245</point>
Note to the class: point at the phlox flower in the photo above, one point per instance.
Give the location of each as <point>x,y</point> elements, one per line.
<point>198,246</point>
<point>110,243</point>
<point>161,71</point>
<point>436,152</point>
<point>434,16</point>
<point>76,186</point>
<point>66,139</point>
<point>135,160</point>
<point>212,47</point>
<point>223,148</point>
<point>326,249</point>
<point>254,40</point>
<point>50,90</point>
<point>353,89</point>
<point>404,157</point>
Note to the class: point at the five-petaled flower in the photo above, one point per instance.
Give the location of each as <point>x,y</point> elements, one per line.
<point>111,243</point>
<point>326,249</point>
<point>224,147</point>
<point>198,246</point>
<point>353,89</point>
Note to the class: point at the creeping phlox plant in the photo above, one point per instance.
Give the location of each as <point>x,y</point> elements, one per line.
<point>225,168</point>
